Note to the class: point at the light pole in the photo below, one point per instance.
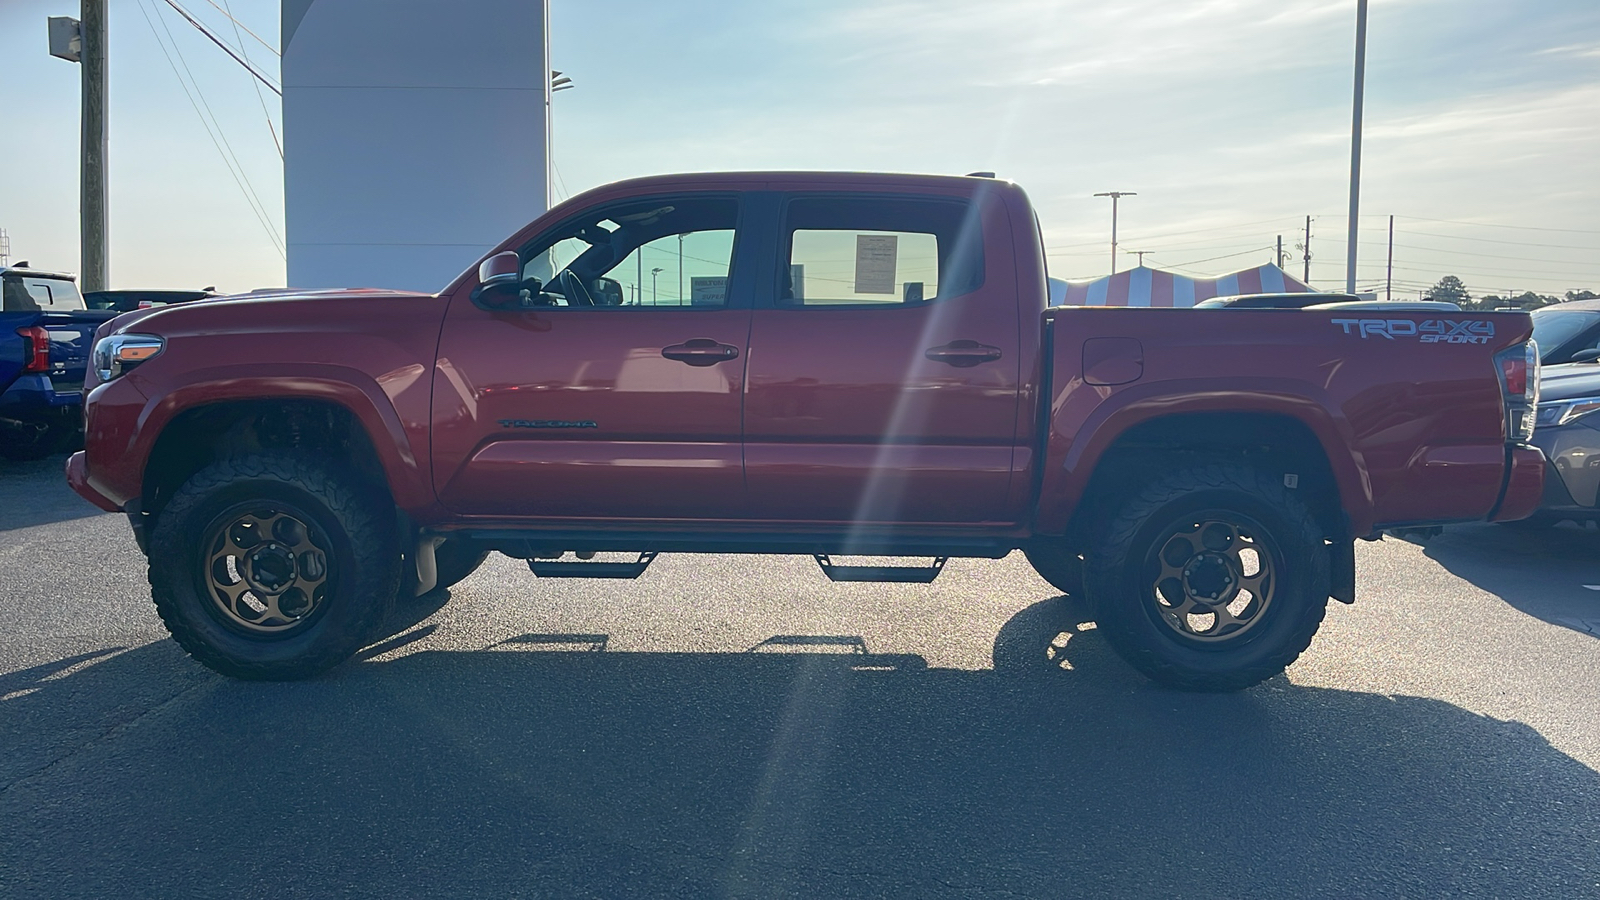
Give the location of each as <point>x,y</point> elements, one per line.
<point>654,273</point>
<point>1355,147</point>
<point>680,270</point>
<point>1115,196</point>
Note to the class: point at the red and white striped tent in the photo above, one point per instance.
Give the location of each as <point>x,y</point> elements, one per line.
<point>1144,286</point>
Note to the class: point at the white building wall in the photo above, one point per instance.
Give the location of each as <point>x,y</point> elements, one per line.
<point>415,136</point>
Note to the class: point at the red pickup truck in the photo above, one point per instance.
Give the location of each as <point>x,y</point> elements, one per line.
<point>824,364</point>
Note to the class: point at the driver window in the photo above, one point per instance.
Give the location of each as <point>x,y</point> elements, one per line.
<point>650,253</point>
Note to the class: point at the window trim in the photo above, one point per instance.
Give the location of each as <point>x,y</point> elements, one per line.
<point>783,249</point>
<point>743,223</point>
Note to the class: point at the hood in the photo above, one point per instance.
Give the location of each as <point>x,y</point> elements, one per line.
<point>1570,380</point>
<point>284,304</point>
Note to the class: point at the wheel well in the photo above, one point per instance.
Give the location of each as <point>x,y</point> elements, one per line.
<point>200,436</point>
<point>1276,443</point>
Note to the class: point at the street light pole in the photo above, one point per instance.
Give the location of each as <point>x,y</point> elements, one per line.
<point>1355,148</point>
<point>680,270</point>
<point>654,274</point>
<point>1115,196</point>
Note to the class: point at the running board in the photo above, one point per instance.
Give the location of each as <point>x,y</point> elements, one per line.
<point>546,569</point>
<point>892,574</point>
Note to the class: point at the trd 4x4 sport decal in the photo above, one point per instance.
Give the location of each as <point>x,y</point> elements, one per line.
<point>1428,331</point>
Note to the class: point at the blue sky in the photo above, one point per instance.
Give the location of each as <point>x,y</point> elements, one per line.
<point>1230,118</point>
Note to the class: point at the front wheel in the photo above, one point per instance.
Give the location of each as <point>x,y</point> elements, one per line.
<point>1213,578</point>
<point>273,566</point>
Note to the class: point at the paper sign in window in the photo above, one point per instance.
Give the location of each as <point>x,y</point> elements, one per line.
<point>875,263</point>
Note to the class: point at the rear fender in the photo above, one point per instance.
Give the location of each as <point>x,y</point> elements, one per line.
<point>1074,452</point>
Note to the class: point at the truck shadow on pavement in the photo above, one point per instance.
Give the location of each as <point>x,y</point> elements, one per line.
<point>1542,572</point>
<point>530,770</point>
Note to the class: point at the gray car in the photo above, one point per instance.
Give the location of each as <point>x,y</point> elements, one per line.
<point>1568,431</point>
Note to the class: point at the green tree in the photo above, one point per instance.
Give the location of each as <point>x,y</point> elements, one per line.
<point>1451,289</point>
<point>1582,295</point>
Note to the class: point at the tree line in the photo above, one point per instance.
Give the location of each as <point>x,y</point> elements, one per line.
<point>1452,289</point>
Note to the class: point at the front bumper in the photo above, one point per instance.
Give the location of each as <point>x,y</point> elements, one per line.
<point>78,480</point>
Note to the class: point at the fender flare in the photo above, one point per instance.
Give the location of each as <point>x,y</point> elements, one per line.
<point>351,389</point>
<point>1073,458</point>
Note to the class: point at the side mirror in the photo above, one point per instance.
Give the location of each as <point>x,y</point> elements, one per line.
<point>608,292</point>
<point>1586,355</point>
<point>499,279</point>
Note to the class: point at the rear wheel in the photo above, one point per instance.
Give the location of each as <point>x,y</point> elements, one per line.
<point>1212,579</point>
<point>273,566</point>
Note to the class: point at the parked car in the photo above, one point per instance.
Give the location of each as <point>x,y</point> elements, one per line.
<point>45,338</point>
<point>1568,431</point>
<point>1288,300</point>
<point>130,300</point>
<point>1568,332</point>
<point>862,364</point>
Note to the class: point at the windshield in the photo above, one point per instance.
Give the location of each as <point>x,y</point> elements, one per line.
<point>1555,328</point>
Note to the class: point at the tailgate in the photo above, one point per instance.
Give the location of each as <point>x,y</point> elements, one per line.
<point>71,341</point>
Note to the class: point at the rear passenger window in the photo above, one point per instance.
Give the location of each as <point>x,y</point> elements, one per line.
<point>16,296</point>
<point>866,251</point>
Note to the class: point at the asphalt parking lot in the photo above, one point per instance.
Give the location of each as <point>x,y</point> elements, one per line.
<point>738,726</point>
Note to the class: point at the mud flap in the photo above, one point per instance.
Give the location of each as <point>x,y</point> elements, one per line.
<point>1342,571</point>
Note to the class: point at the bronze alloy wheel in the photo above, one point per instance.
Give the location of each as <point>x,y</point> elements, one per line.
<point>266,568</point>
<point>1214,577</point>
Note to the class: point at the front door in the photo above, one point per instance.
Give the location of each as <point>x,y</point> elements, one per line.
<point>612,388</point>
<point>884,373</point>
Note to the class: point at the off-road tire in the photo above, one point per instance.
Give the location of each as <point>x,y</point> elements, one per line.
<point>1120,591</point>
<point>358,523</point>
<point>1058,564</point>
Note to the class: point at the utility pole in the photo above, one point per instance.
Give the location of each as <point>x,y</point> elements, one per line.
<point>1355,147</point>
<point>1280,251</point>
<point>680,270</point>
<point>1140,254</point>
<point>1306,252</point>
<point>1115,196</point>
<point>83,41</point>
<point>1388,278</point>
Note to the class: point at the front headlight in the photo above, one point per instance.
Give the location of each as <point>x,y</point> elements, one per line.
<point>118,353</point>
<point>1560,412</point>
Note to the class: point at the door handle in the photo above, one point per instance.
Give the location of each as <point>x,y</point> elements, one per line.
<point>963,354</point>
<point>701,352</point>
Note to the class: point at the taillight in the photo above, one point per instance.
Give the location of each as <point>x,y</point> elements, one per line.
<point>1514,374</point>
<point>1518,368</point>
<point>36,355</point>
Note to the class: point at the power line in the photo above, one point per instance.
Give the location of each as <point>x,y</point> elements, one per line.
<point>225,48</point>
<point>253,83</point>
<point>238,175</point>
<point>237,24</point>
<point>1494,225</point>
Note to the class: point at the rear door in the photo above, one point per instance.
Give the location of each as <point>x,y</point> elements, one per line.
<point>884,365</point>
<point>614,391</point>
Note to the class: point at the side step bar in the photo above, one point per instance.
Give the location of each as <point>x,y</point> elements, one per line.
<point>894,574</point>
<point>548,569</point>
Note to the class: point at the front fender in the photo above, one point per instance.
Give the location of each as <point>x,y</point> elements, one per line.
<point>378,404</point>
